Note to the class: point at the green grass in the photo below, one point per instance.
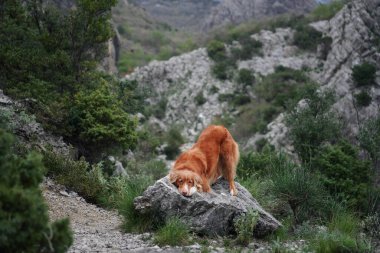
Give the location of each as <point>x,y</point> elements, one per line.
<point>327,11</point>
<point>134,221</point>
<point>173,233</point>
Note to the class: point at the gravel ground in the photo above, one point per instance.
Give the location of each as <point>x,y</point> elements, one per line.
<point>98,230</point>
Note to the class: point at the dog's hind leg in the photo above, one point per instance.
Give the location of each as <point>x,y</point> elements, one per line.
<point>229,154</point>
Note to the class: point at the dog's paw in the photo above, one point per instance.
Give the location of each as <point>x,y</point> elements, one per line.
<point>233,192</point>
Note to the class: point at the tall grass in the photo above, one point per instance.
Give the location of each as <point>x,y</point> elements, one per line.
<point>173,233</point>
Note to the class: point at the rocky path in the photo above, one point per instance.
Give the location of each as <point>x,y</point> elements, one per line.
<point>95,229</point>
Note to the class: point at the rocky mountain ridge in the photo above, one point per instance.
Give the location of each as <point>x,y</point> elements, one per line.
<point>353,31</point>
<point>196,15</point>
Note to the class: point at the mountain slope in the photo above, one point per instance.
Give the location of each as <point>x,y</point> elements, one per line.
<point>197,15</point>
<point>182,79</point>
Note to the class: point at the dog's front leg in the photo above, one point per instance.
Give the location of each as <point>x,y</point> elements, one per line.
<point>205,185</point>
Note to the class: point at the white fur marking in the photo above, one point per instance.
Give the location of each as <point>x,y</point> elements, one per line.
<point>186,188</point>
<point>193,190</point>
<point>232,192</point>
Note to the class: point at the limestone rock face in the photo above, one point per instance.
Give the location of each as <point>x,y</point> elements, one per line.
<point>28,131</point>
<point>180,80</point>
<point>237,11</point>
<point>205,213</point>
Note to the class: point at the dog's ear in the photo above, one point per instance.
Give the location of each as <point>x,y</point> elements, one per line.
<point>173,177</point>
<point>198,183</point>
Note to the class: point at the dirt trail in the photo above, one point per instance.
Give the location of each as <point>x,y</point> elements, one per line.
<point>95,229</point>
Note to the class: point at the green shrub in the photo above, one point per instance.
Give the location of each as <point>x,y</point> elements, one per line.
<point>76,175</point>
<point>239,100</point>
<point>364,74</point>
<point>313,125</point>
<point>99,121</point>
<point>174,140</point>
<point>24,221</point>
<point>301,189</point>
<point>285,87</point>
<point>327,11</point>
<point>245,77</point>
<point>216,50</point>
<point>173,233</point>
<point>252,163</point>
<point>307,38</point>
<point>249,48</point>
<point>244,227</point>
<point>344,174</point>
<point>159,110</point>
<point>363,99</point>
<point>200,99</point>
<point>220,70</point>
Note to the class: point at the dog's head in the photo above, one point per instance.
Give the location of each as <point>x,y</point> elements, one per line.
<point>187,182</point>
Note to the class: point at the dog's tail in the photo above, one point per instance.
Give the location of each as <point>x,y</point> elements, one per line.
<point>229,156</point>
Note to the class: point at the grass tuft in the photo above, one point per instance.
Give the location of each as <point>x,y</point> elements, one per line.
<point>174,233</point>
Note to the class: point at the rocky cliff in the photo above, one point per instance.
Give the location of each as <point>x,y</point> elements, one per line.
<point>204,15</point>
<point>238,11</point>
<point>353,32</point>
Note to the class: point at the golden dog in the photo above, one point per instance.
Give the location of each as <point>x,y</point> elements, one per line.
<point>215,154</point>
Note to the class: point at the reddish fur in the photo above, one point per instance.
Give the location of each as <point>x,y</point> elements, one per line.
<point>215,154</point>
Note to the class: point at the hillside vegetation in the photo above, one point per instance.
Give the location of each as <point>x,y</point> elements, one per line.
<point>322,183</point>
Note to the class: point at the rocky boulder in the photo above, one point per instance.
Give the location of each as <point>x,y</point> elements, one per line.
<point>205,213</point>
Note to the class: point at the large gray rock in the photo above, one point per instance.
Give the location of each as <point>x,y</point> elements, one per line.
<point>205,213</point>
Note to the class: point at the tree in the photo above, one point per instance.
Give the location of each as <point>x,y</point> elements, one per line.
<point>313,124</point>
<point>99,122</point>
<point>24,222</point>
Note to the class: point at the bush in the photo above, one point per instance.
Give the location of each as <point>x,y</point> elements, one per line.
<point>216,50</point>
<point>174,140</point>
<point>344,174</point>
<point>301,189</point>
<point>245,77</point>
<point>173,233</point>
<point>363,99</point>
<point>200,99</point>
<point>313,124</point>
<point>76,175</point>
<point>244,227</point>
<point>159,110</point>
<point>364,74</point>
<point>220,70</point>
<point>307,38</point>
<point>24,221</point>
<point>285,87</point>
<point>99,121</point>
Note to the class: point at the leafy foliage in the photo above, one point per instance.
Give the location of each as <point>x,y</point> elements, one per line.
<point>364,74</point>
<point>301,189</point>
<point>363,99</point>
<point>344,174</point>
<point>313,124</point>
<point>24,222</point>
<point>245,77</point>
<point>216,50</point>
<point>307,38</point>
<point>100,122</point>
<point>200,98</point>
<point>174,140</point>
<point>245,225</point>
